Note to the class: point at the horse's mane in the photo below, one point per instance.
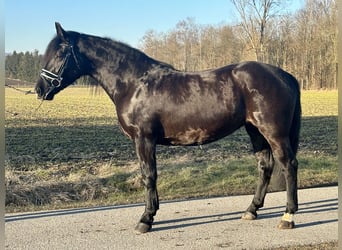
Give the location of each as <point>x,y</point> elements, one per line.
<point>107,43</point>
<point>124,48</point>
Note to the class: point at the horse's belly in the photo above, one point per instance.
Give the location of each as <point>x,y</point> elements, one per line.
<point>190,136</point>
<point>197,135</point>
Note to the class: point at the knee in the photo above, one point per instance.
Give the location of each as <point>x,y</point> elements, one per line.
<point>150,182</point>
<point>294,163</point>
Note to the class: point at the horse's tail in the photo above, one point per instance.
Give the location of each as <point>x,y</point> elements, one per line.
<point>296,121</point>
<point>278,179</point>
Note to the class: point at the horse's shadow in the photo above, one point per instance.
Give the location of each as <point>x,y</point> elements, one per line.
<point>319,206</point>
<point>265,213</point>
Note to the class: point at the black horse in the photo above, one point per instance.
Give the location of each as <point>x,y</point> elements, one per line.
<point>157,104</point>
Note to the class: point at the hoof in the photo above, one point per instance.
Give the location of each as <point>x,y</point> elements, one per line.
<point>248,216</point>
<point>142,228</point>
<point>286,224</point>
<point>286,221</point>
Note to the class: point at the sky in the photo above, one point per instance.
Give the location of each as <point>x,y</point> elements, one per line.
<point>29,24</point>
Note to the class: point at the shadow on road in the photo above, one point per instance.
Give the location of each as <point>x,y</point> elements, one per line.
<point>318,206</point>
<point>37,215</point>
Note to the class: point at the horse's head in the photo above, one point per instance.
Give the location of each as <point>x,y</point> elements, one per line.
<point>62,64</point>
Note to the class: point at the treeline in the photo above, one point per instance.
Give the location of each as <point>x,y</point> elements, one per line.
<point>23,66</point>
<point>303,43</point>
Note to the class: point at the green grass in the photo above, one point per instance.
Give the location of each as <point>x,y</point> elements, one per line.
<point>319,103</point>
<point>71,152</point>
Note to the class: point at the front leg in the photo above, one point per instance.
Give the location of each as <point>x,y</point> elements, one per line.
<point>145,149</point>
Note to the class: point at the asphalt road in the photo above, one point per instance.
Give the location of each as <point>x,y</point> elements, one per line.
<point>192,224</point>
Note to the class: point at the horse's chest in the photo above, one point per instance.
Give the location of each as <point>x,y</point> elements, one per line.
<point>134,118</point>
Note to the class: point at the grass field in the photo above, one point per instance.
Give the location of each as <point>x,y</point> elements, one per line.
<point>71,152</point>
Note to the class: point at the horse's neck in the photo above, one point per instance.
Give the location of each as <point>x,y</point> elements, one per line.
<point>114,65</point>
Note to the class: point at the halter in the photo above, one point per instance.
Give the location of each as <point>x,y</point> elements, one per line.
<point>55,80</point>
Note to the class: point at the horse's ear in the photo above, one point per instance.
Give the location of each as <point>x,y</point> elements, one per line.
<point>61,33</point>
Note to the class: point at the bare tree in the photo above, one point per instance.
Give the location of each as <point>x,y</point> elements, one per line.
<point>317,36</point>
<point>255,15</point>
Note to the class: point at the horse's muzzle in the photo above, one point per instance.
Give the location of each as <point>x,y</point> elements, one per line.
<point>48,96</point>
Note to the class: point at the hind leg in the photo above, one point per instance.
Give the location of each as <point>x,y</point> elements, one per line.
<point>265,162</point>
<point>285,157</point>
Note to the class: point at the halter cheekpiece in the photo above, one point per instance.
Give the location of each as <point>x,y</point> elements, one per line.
<point>55,80</point>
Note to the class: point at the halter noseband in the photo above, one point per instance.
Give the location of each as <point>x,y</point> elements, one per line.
<point>55,80</point>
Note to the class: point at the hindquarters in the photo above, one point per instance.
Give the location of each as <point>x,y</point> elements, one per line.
<point>272,100</point>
